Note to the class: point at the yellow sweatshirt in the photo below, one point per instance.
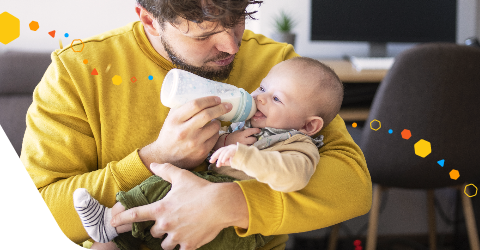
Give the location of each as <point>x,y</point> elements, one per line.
<point>85,131</point>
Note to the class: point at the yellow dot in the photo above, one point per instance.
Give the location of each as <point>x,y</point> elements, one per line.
<point>354,124</point>
<point>85,61</point>
<point>117,80</point>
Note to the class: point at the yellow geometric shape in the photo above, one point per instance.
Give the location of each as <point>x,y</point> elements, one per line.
<point>9,28</point>
<point>423,148</point>
<point>379,125</point>
<point>71,45</point>
<point>117,80</point>
<point>465,190</point>
<point>454,174</point>
<point>34,25</point>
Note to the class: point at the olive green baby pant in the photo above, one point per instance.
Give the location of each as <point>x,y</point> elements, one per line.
<point>154,189</point>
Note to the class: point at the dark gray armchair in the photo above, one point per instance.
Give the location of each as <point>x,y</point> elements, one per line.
<point>433,90</point>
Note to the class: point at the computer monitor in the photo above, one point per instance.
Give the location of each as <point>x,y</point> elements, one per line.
<point>382,21</point>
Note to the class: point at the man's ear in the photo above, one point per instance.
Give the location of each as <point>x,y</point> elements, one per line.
<point>149,22</point>
<point>312,125</point>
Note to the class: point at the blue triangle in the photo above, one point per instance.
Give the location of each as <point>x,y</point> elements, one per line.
<point>441,162</point>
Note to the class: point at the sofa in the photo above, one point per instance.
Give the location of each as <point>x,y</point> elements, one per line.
<point>20,72</point>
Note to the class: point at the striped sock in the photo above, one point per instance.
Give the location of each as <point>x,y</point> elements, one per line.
<point>95,217</point>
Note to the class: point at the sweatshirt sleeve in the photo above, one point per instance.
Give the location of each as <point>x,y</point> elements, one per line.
<point>60,152</point>
<point>285,171</point>
<point>340,189</point>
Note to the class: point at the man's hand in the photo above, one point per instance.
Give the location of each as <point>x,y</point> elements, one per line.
<point>193,212</point>
<point>224,155</point>
<point>188,134</point>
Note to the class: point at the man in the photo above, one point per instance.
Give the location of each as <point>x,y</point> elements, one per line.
<point>85,131</point>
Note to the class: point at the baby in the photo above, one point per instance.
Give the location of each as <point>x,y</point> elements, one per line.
<point>294,102</point>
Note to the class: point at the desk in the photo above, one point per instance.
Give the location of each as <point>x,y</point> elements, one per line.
<point>348,74</point>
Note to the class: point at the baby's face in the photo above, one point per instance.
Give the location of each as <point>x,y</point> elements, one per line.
<point>283,100</point>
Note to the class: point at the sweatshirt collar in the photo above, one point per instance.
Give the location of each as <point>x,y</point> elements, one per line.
<point>147,48</point>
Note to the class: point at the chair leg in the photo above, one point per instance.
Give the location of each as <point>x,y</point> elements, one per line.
<point>373,219</point>
<point>470,222</point>
<point>431,219</point>
<point>332,242</point>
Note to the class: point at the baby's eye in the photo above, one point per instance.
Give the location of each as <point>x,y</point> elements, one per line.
<point>261,89</point>
<point>276,99</point>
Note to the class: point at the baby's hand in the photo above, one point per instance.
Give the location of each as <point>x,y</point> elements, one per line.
<point>242,136</point>
<point>224,155</point>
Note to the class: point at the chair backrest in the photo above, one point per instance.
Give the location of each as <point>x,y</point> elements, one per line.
<point>433,90</point>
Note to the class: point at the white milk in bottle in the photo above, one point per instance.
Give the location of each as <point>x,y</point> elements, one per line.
<point>180,86</point>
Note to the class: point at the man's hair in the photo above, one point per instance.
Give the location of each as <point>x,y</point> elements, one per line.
<point>327,86</point>
<point>226,13</point>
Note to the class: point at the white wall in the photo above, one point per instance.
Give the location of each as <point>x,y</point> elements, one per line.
<point>477,22</point>
<point>468,17</point>
<point>80,19</point>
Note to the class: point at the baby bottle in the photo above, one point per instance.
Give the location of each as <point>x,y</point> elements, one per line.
<point>180,86</point>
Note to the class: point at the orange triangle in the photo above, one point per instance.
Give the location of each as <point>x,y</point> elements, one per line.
<point>52,33</point>
<point>94,72</point>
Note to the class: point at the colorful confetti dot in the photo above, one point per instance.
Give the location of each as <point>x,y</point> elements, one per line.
<point>9,28</point>
<point>77,40</point>
<point>34,25</point>
<point>390,131</point>
<point>422,148</point>
<point>133,79</point>
<point>465,190</point>
<point>66,34</point>
<point>379,124</point>
<point>150,78</point>
<point>117,80</point>
<point>85,61</point>
<point>357,243</point>
<point>354,125</point>
<point>454,174</point>
<point>441,162</point>
<point>406,134</point>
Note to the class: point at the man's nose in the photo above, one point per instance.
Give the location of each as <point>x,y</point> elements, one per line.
<point>227,42</point>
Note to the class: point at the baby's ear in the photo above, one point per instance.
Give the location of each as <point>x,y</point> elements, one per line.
<point>312,126</point>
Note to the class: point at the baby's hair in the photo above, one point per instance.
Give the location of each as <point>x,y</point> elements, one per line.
<point>328,86</point>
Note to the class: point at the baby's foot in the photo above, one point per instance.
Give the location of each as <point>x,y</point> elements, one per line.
<point>95,217</point>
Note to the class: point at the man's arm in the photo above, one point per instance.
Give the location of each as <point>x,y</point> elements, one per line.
<point>340,189</point>
<point>191,202</point>
<point>60,152</point>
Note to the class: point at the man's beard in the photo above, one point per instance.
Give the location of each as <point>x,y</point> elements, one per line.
<point>204,71</point>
